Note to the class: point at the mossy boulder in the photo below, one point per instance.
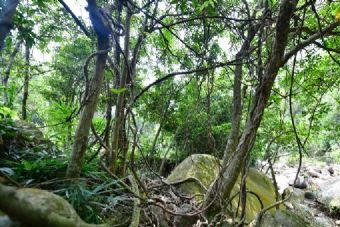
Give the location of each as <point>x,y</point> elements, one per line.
<point>284,218</point>
<point>298,216</point>
<point>259,184</point>
<point>34,207</point>
<point>20,139</point>
<point>195,174</point>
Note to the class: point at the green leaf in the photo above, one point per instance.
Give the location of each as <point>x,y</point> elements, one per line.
<point>118,91</point>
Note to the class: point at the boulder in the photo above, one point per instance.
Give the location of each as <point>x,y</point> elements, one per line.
<point>196,173</point>
<point>314,173</point>
<point>285,218</point>
<point>297,195</point>
<point>300,183</point>
<point>35,207</point>
<point>330,194</point>
<point>330,170</point>
<point>298,216</point>
<point>282,182</point>
<point>5,221</point>
<point>21,138</point>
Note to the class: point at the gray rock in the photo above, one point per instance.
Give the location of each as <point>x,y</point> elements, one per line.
<point>330,194</point>
<point>184,221</point>
<point>300,183</point>
<point>314,173</point>
<point>330,170</point>
<point>285,218</point>
<point>5,221</point>
<point>310,195</point>
<point>297,196</point>
<point>325,222</point>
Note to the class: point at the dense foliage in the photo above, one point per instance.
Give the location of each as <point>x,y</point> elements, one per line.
<point>168,90</point>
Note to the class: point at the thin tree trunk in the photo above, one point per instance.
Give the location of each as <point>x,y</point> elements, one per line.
<point>237,96</point>
<point>69,138</point>
<point>163,118</point>
<point>211,145</point>
<point>26,82</point>
<point>8,72</point>
<point>120,106</point>
<point>7,20</point>
<point>124,146</point>
<point>231,170</point>
<point>116,66</point>
<point>117,50</point>
<point>131,75</point>
<point>85,121</point>
<point>108,116</point>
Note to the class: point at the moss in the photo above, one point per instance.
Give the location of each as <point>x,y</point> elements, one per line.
<point>47,201</point>
<point>35,207</point>
<point>285,218</point>
<point>205,168</point>
<point>201,166</point>
<point>288,218</point>
<point>259,184</point>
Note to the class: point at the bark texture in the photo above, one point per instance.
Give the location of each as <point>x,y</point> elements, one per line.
<point>85,121</point>
<point>118,130</point>
<point>237,96</point>
<point>26,83</point>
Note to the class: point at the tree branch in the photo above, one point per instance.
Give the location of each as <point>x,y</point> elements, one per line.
<point>309,41</point>
<point>75,18</point>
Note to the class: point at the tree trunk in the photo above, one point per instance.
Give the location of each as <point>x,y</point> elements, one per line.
<point>7,19</point>
<point>26,82</point>
<point>108,116</point>
<point>85,121</point>
<point>231,170</point>
<point>233,138</point>
<point>8,72</point>
<point>120,106</point>
<point>158,132</point>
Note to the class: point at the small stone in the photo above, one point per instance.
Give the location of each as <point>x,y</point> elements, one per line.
<point>309,195</point>
<point>289,205</point>
<point>330,170</point>
<point>5,221</point>
<point>314,174</point>
<point>337,222</point>
<point>318,214</point>
<point>300,183</point>
<point>318,170</point>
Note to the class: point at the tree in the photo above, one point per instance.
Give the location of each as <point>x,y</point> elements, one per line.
<point>232,165</point>
<point>102,30</point>
<point>7,19</point>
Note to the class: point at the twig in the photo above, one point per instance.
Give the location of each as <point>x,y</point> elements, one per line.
<point>9,179</point>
